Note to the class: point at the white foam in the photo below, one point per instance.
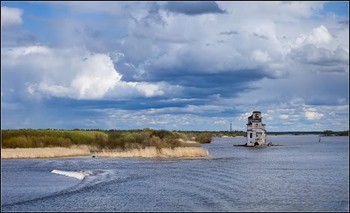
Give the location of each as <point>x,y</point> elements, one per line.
<point>79,175</point>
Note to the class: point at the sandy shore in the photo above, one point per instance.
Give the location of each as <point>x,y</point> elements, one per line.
<point>150,152</point>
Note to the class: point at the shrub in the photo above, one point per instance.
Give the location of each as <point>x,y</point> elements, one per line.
<point>203,138</point>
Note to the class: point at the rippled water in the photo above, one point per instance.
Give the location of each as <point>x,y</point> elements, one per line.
<point>302,175</point>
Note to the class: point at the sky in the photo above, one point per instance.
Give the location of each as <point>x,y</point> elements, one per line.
<point>175,65</point>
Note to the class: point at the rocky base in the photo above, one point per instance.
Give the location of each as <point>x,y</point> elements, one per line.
<point>261,145</point>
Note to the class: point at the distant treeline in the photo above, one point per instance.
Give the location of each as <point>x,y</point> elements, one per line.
<point>336,133</point>
<point>322,133</point>
<point>101,139</point>
<point>215,133</point>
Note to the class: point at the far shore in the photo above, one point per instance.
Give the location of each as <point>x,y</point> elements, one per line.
<point>80,151</point>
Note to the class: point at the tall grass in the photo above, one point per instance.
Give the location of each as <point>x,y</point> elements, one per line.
<point>112,143</point>
<point>112,139</point>
<point>148,152</point>
<point>49,138</point>
<point>153,152</point>
<point>45,152</point>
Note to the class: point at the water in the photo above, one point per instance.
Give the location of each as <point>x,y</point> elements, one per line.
<point>302,175</point>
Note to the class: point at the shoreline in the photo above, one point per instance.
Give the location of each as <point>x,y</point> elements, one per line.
<point>85,151</point>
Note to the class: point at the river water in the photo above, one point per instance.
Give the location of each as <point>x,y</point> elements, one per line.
<point>301,175</point>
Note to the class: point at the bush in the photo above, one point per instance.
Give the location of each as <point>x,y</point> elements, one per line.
<point>203,138</point>
<point>48,138</point>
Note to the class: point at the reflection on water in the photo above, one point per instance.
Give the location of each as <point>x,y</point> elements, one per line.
<point>301,175</point>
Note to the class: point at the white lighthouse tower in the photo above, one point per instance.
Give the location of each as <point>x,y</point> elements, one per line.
<point>256,132</point>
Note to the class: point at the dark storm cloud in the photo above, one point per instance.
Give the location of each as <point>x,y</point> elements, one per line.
<point>205,80</point>
<point>85,109</point>
<point>123,104</point>
<point>193,8</point>
<point>203,85</point>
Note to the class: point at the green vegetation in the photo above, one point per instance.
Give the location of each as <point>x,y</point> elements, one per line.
<point>103,139</point>
<point>28,138</point>
<point>205,136</point>
<point>339,133</point>
<point>324,133</point>
<point>130,139</point>
<point>121,139</point>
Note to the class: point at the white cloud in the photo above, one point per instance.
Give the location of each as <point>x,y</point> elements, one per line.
<point>73,73</point>
<point>286,10</point>
<point>312,114</point>
<point>23,51</point>
<point>95,77</point>
<point>11,16</point>
<point>148,89</point>
<point>319,36</point>
<point>282,116</point>
<point>260,56</point>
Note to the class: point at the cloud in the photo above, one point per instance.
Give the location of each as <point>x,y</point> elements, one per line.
<point>319,37</point>
<point>10,16</point>
<point>176,64</point>
<point>311,114</point>
<point>94,7</point>
<point>284,117</point>
<point>193,8</point>
<point>18,52</point>
<point>73,73</point>
<point>232,32</point>
<point>260,56</point>
<point>320,52</point>
<point>326,60</point>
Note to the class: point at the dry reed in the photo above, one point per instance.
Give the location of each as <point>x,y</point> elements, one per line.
<point>84,150</point>
<point>48,152</point>
<point>152,152</point>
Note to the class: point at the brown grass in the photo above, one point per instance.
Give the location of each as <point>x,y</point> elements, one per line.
<point>152,152</point>
<point>83,150</point>
<point>49,152</point>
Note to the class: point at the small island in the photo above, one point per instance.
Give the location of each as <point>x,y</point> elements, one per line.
<point>48,143</point>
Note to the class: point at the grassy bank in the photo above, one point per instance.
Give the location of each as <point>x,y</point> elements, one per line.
<point>28,143</point>
<point>101,139</point>
<point>49,138</point>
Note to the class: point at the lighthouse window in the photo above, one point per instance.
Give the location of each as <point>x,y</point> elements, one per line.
<point>251,135</point>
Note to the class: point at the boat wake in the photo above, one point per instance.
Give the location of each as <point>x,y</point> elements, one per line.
<point>95,177</point>
<point>78,175</point>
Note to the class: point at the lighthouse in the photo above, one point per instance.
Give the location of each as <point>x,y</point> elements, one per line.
<point>256,132</point>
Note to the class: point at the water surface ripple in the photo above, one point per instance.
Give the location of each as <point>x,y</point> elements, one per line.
<point>301,175</point>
